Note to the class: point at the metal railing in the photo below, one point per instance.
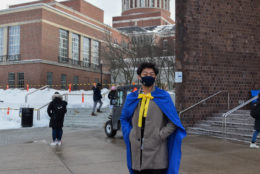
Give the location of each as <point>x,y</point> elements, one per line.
<point>85,64</point>
<point>225,115</point>
<point>26,96</point>
<point>9,58</point>
<point>66,99</point>
<point>202,101</point>
<point>15,57</point>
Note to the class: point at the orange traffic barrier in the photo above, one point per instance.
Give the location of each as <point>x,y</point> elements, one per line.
<point>70,87</point>
<point>8,111</point>
<point>82,98</point>
<point>27,87</point>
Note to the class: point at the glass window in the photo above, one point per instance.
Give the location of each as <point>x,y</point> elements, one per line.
<point>86,50</point>
<point>13,42</point>
<point>20,79</point>
<point>1,42</point>
<point>11,80</point>
<point>95,52</point>
<point>76,83</point>
<point>49,78</point>
<point>75,47</point>
<point>63,81</point>
<point>63,45</point>
<point>142,3</point>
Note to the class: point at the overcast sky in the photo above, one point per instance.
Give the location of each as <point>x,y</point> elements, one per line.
<point>111,7</point>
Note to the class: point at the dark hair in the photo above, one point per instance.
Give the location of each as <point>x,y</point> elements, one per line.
<point>56,93</point>
<point>147,65</point>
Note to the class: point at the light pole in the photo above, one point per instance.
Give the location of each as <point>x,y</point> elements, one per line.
<point>101,72</point>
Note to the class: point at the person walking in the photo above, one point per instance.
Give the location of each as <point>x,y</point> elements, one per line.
<point>113,99</point>
<point>56,111</point>
<point>97,98</point>
<point>151,127</point>
<point>255,113</point>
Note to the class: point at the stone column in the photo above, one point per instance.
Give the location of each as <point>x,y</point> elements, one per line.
<point>81,48</point>
<point>70,45</point>
<point>5,43</point>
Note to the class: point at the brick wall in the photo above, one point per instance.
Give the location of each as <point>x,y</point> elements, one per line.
<point>217,48</point>
<point>39,75</point>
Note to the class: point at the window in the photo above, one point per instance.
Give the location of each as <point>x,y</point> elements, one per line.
<point>49,78</point>
<point>86,51</point>
<point>95,52</point>
<point>20,79</point>
<point>158,3</point>
<point>76,83</point>
<point>11,80</point>
<point>142,3</point>
<point>75,48</point>
<point>63,45</point>
<point>1,42</point>
<point>14,42</point>
<point>63,81</point>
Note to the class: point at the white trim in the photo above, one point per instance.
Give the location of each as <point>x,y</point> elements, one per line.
<point>141,19</point>
<point>55,10</point>
<point>21,23</point>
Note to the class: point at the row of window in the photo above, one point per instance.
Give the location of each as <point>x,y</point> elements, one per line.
<point>18,81</point>
<point>12,83</point>
<point>146,3</point>
<point>13,41</point>
<point>90,48</point>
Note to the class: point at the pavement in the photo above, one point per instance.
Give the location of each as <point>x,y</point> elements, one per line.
<point>89,151</point>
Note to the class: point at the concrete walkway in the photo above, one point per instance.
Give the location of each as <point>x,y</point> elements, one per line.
<point>87,151</point>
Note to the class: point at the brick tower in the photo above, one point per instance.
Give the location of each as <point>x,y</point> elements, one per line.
<point>143,13</point>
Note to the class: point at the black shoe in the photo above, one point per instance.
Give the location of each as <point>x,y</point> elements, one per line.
<point>98,110</point>
<point>93,114</point>
<point>109,117</point>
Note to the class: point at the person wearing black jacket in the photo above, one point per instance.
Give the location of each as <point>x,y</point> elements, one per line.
<point>113,98</point>
<point>56,111</point>
<point>256,116</point>
<point>97,98</point>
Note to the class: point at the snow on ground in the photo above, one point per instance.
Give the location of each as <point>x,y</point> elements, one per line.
<point>15,99</point>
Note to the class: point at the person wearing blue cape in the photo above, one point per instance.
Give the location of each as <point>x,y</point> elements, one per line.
<point>151,127</point>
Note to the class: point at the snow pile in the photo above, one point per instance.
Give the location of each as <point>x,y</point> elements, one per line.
<point>15,99</point>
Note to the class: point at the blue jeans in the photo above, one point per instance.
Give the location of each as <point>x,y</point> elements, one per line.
<point>57,134</point>
<point>255,136</point>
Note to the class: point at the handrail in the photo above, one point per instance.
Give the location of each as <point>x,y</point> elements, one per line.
<point>239,106</point>
<point>26,96</point>
<point>181,112</point>
<point>66,98</point>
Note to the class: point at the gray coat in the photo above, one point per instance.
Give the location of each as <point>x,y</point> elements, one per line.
<point>157,129</point>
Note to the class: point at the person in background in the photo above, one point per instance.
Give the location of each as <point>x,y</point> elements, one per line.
<point>56,111</point>
<point>255,113</point>
<point>113,99</point>
<point>97,98</point>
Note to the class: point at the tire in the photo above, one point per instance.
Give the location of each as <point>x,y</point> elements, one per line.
<point>109,129</point>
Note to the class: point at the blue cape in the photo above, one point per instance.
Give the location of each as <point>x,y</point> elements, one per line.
<point>164,101</point>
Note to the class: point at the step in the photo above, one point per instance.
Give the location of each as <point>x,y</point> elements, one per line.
<point>218,133</point>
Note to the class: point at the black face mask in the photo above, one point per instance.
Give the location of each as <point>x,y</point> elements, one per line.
<point>148,81</point>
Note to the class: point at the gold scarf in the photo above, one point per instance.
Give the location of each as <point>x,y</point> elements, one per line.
<point>144,107</point>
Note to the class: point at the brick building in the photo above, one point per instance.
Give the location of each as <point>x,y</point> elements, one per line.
<point>144,13</point>
<point>54,43</point>
<point>218,48</point>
